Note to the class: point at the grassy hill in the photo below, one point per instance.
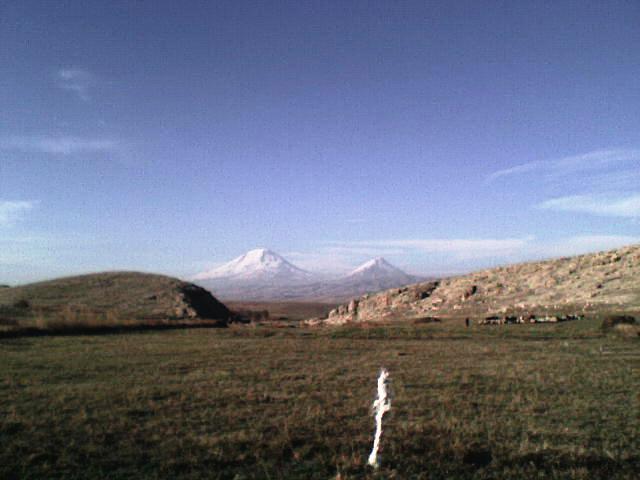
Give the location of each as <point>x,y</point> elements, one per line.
<point>107,299</point>
<point>594,283</point>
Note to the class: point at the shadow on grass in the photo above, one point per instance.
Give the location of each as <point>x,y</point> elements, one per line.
<point>76,330</point>
<point>416,451</point>
<point>598,466</point>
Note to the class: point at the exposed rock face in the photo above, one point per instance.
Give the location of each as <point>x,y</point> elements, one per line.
<point>604,281</point>
<point>195,302</point>
<point>381,306</point>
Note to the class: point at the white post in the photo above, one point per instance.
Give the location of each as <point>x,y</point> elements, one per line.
<point>381,405</point>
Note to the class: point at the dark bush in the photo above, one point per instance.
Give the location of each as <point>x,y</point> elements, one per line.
<point>22,304</point>
<point>612,320</point>
<point>426,320</point>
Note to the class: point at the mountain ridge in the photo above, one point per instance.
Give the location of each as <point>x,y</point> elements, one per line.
<point>264,275</point>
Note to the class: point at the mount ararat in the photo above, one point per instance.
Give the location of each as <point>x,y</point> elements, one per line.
<point>263,275</point>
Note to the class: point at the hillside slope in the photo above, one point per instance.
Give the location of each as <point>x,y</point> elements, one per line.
<point>121,296</point>
<point>604,281</point>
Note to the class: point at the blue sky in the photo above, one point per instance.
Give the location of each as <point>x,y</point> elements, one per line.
<point>446,136</point>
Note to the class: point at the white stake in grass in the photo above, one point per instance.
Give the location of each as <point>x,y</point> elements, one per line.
<point>381,405</point>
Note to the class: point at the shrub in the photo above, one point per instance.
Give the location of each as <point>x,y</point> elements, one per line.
<point>612,320</point>
<point>627,330</point>
<point>22,304</point>
<point>420,320</point>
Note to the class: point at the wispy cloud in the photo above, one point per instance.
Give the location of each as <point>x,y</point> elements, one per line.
<point>64,145</point>
<point>617,180</point>
<point>76,80</point>
<point>624,206</point>
<point>338,259</point>
<point>435,256</point>
<point>459,247</point>
<point>321,262</point>
<point>412,255</point>
<point>13,210</point>
<point>579,244</point>
<point>596,160</point>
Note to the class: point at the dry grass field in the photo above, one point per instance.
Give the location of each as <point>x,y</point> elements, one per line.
<point>258,402</point>
<point>283,311</point>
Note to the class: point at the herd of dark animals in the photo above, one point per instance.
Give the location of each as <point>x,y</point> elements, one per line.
<point>512,319</point>
<point>609,321</point>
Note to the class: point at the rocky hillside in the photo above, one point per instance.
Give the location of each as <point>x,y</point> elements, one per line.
<point>605,281</point>
<point>118,296</point>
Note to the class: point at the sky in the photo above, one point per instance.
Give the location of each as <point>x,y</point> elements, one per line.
<point>445,136</point>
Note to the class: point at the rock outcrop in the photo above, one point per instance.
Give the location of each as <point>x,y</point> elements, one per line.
<point>605,281</point>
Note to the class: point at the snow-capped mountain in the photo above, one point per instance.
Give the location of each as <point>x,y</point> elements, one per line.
<point>376,274</point>
<point>258,266</point>
<point>264,275</point>
<point>378,268</point>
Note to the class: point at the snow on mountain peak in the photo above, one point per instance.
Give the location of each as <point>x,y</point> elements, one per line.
<point>260,264</point>
<point>261,258</point>
<point>263,274</point>
<point>377,264</point>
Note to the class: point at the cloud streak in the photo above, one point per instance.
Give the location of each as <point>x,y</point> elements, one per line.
<point>76,80</point>
<point>627,206</point>
<point>65,145</point>
<point>433,256</point>
<point>336,260</point>
<point>596,160</point>
<point>580,244</point>
<point>12,211</point>
<point>459,247</point>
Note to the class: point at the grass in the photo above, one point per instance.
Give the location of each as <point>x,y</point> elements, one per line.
<point>524,401</point>
<point>79,320</point>
<point>106,301</point>
<point>283,311</point>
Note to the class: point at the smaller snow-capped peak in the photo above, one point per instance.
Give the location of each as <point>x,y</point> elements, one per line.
<point>379,265</point>
<point>375,275</point>
<point>260,264</point>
